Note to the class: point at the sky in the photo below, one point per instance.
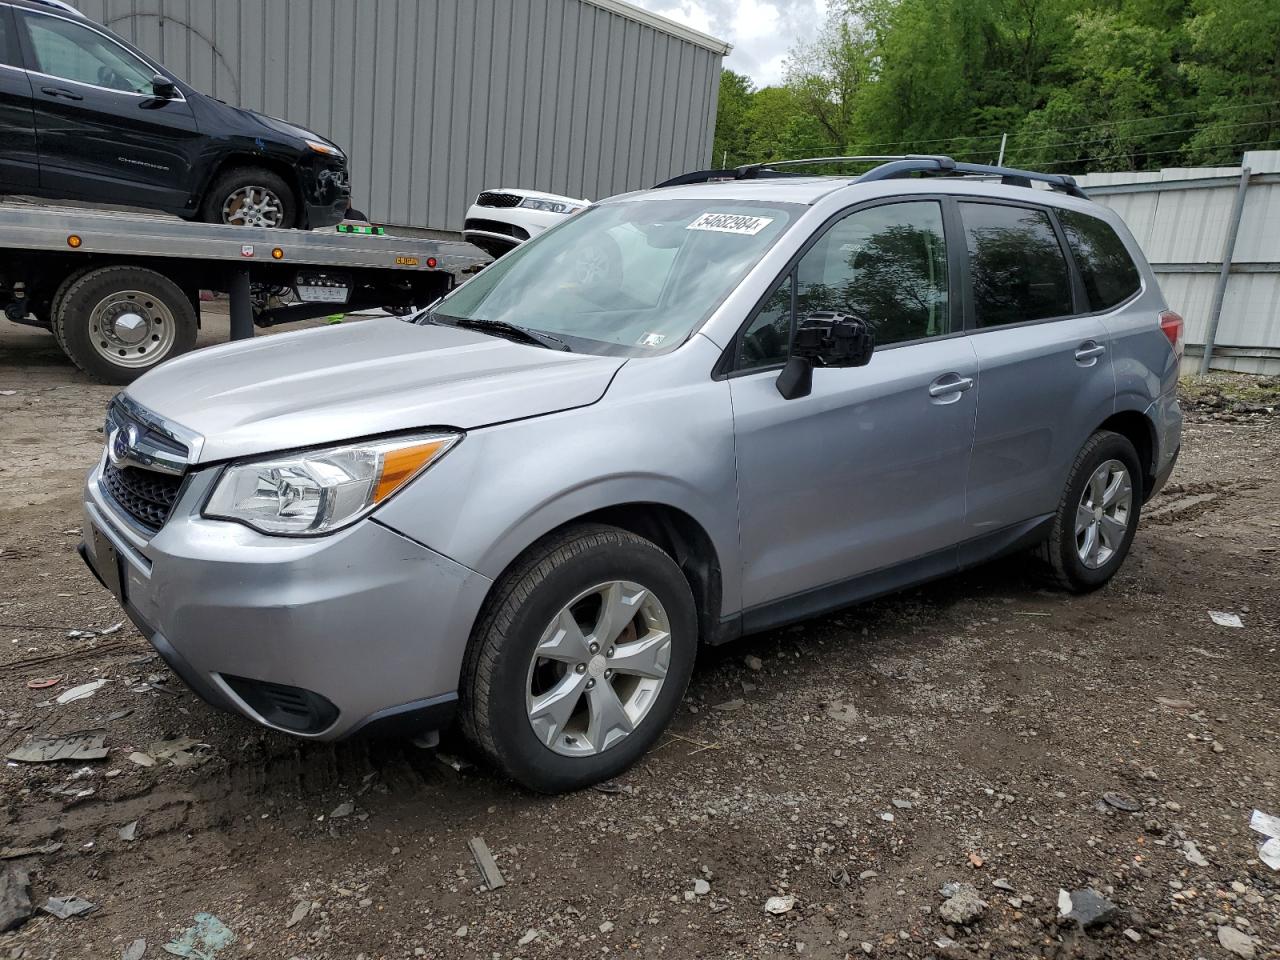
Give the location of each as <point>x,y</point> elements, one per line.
<point>761,31</point>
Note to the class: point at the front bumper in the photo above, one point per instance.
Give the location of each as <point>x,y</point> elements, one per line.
<point>326,191</point>
<point>318,637</point>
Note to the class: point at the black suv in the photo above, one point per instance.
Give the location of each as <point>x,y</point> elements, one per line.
<point>86,116</point>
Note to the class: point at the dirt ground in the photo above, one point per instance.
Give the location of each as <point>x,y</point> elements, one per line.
<point>963,732</point>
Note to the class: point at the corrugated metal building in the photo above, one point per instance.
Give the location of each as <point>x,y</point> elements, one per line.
<point>435,100</point>
<point>1181,217</point>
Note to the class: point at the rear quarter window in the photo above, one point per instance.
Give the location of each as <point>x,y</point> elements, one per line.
<point>1109,273</point>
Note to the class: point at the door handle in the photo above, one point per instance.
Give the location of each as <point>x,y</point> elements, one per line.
<point>62,92</point>
<point>948,384</point>
<point>1088,352</point>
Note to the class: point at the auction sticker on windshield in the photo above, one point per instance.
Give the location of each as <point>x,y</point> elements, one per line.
<point>730,223</point>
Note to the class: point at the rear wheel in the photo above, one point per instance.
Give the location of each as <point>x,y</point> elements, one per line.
<point>116,323</point>
<point>1097,516</point>
<point>250,197</point>
<point>580,659</point>
<point>55,304</point>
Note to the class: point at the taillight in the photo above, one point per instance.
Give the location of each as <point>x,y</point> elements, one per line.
<point>1171,326</point>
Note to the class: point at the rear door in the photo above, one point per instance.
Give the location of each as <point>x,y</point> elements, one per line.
<point>18,161</point>
<point>101,132</point>
<point>867,472</point>
<point>1044,362</point>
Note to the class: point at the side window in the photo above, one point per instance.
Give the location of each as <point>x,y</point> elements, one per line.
<point>886,265</point>
<point>1109,273</point>
<point>8,40</point>
<point>75,52</point>
<point>1016,265</point>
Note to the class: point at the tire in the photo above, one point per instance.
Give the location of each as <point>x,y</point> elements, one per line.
<point>272,201</point>
<point>88,322</point>
<point>55,303</point>
<point>503,680</point>
<point>1062,552</point>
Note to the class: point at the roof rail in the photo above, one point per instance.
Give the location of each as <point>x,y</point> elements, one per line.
<point>888,168</point>
<point>763,171</point>
<point>945,166</point>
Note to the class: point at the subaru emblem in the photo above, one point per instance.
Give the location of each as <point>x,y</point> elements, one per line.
<point>122,444</point>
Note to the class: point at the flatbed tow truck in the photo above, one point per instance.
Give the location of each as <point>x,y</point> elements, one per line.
<point>121,291</point>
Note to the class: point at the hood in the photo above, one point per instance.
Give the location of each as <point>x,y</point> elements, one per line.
<point>337,383</point>
<point>273,126</point>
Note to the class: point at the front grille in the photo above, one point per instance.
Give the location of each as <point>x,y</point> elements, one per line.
<point>496,226</point>
<point>146,496</point>
<point>293,708</point>
<point>491,199</point>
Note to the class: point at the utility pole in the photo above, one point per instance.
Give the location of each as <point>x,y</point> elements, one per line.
<point>1004,138</point>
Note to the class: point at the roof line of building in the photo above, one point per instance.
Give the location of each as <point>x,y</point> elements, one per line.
<point>663,24</point>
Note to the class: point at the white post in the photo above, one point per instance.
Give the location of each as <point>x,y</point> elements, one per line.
<point>1004,138</point>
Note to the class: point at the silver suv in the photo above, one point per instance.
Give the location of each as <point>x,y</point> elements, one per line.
<point>678,417</point>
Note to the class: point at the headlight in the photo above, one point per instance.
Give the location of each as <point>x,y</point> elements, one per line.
<point>327,149</point>
<point>319,491</point>
<point>548,206</point>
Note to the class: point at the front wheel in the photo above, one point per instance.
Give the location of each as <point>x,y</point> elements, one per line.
<point>1097,516</point>
<point>580,659</point>
<point>250,197</point>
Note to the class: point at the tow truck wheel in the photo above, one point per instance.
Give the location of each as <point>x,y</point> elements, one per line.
<point>55,303</point>
<point>116,323</point>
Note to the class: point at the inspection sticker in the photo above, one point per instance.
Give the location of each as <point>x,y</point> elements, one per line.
<point>730,223</point>
<point>652,339</point>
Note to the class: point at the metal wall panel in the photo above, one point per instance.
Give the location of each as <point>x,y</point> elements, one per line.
<point>435,100</point>
<point>1182,230</point>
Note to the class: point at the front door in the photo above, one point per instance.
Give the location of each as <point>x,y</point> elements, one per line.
<point>868,472</point>
<point>18,164</point>
<point>102,133</point>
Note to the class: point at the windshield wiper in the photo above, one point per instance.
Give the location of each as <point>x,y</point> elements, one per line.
<point>511,330</point>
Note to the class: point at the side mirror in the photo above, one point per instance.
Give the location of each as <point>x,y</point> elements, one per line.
<point>163,87</point>
<point>824,339</point>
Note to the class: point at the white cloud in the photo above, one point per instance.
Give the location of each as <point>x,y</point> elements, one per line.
<point>761,31</point>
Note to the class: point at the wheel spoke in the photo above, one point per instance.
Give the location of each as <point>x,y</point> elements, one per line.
<point>607,719</point>
<point>1096,544</point>
<point>551,711</point>
<point>619,603</point>
<point>1084,517</point>
<point>1113,531</point>
<point>1118,490</point>
<point>1097,486</point>
<point>1090,541</point>
<point>564,641</point>
<point>647,657</point>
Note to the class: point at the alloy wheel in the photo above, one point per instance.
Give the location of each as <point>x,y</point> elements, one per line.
<point>1102,517</point>
<point>598,668</point>
<point>253,206</point>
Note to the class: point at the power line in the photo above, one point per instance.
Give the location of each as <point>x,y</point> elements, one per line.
<point>1133,137</point>
<point>1156,153</point>
<point>1083,126</point>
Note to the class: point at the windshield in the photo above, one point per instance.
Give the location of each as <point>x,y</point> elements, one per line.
<point>629,278</point>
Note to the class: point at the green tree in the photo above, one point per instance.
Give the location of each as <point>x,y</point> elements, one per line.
<point>732,140</point>
<point>1076,84</point>
<point>1109,114</point>
<point>1235,70</point>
